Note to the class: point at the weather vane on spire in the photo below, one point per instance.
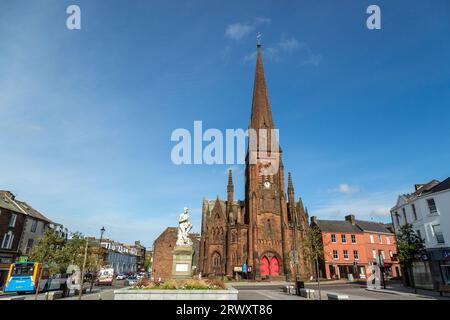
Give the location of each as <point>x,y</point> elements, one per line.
<point>258,39</point>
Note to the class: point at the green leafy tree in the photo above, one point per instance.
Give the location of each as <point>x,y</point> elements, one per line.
<point>74,253</point>
<point>47,250</point>
<point>409,245</point>
<point>313,249</point>
<point>148,261</point>
<point>78,253</point>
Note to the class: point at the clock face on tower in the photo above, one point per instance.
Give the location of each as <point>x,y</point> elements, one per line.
<point>267,184</point>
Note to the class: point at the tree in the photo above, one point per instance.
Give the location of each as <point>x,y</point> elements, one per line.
<point>47,251</point>
<point>409,247</point>
<point>313,250</point>
<point>148,261</point>
<point>78,253</point>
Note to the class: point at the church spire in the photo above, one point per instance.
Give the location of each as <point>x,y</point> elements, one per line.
<point>230,197</point>
<point>261,117</point>
<point>290,184</point>
<point>291,196</point>
<point>230,187</point>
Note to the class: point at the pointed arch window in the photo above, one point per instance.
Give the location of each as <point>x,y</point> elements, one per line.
<point>216,259</point>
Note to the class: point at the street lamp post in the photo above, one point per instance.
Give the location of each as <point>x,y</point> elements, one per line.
<point>102,230</point>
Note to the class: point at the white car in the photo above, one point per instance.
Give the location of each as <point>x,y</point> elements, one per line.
<point>131,281</point>
<point>121,277</point>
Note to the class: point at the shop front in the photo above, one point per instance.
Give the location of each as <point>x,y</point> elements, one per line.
<point>441,265</point>
<point>5,264</point>
<point>346,271</point>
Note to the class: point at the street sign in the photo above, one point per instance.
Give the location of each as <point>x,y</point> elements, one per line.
<point>237,269</point>
<point>244,268</point>
<point>23,259</point>
<point>446,254</point>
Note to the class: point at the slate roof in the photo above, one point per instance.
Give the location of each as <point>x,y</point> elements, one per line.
<point>8,201</point>
<point>444,185</point>
<point>32,212</point>
<point>344,226</point>
<point>337,226</point>
<point>423,189</point>
<point>373,226</point>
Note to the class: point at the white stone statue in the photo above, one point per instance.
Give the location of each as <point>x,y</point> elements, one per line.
<point>183,229</point>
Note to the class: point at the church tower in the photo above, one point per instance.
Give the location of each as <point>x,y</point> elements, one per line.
<point>267,228</point>
<point>265,198</point>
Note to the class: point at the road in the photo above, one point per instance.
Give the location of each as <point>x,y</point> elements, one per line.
<point>355,291</point>
<point>274,291</point>
<point>105,292</point>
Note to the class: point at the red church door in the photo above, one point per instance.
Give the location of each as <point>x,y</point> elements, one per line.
<point>274,267</point>
<point>265,269</point>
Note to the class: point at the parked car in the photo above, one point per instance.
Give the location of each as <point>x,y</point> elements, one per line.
<point>89,276</point>
<point>131,281</point>
<point>121,277</point>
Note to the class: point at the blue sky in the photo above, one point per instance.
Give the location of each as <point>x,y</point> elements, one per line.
<point>87,115</point>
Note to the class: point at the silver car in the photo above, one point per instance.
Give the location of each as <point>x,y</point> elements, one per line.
<point>131,281</point>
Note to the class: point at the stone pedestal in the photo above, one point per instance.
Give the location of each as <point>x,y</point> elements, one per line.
<point>182,262</point>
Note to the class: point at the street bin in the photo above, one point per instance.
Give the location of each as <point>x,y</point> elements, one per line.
<point>299,285</point>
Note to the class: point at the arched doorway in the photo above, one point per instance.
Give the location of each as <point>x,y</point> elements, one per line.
<point>274,267</point>
<point>264,266</point>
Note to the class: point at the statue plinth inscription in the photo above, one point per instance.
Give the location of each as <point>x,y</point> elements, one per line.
<point>184,250</point>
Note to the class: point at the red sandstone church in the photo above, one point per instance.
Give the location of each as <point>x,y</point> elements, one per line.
<point>266,229</point>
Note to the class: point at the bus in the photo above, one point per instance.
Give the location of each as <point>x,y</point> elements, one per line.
<point>23,277</point>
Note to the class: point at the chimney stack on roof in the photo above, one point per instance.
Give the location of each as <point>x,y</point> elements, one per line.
<point>351,218</point>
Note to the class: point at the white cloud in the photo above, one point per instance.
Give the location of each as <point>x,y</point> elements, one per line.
<point>380,212</point>
<point>347,189</point>
<point>237,31</point>
<point>364,205</point>
<point>289,46</point>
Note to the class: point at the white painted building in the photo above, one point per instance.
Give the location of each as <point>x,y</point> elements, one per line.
<point>428,210</point>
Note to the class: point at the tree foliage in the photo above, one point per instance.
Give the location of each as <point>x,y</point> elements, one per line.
<point>312,244</point>
<point>57,253</point>
<point>409,245</point>
<point>74,253</point>
<point>148,262</point>
<point>48,250</point>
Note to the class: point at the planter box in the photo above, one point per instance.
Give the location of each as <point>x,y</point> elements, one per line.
<point>131,294</point>
<point>308,293</point>
<point>336,296</point>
